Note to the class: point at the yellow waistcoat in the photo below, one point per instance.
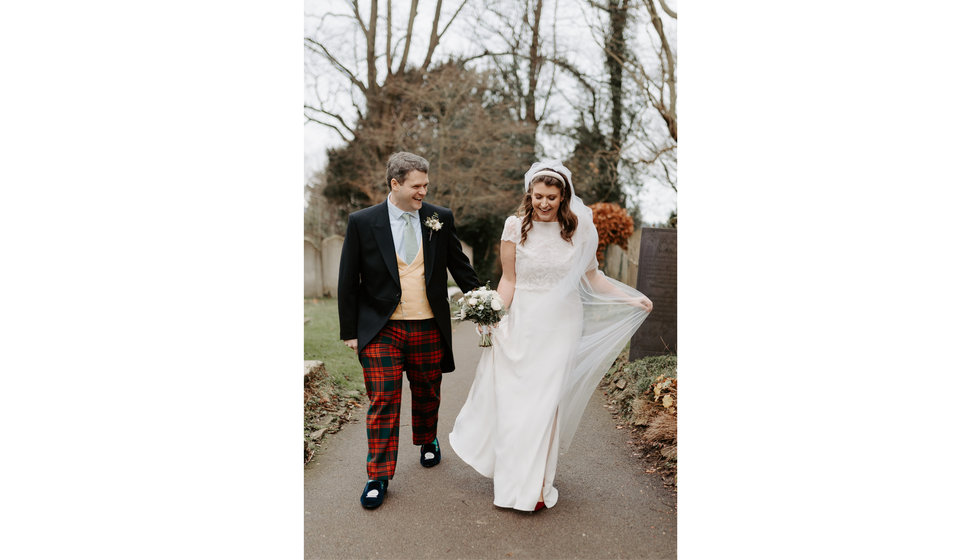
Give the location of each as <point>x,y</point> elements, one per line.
<point>414,305</point>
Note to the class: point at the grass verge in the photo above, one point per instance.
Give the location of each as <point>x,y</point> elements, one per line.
<point>321,341</point>
<point>333,390</point>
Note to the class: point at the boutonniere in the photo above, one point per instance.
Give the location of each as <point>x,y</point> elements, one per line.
<point>433,223</point>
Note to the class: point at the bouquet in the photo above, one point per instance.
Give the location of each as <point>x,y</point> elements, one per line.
<point>484,307</point>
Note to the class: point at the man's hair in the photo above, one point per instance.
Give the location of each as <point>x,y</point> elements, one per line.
<point>401,164</point>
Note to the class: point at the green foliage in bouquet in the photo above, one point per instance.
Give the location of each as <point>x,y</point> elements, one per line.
<point>483,306</point>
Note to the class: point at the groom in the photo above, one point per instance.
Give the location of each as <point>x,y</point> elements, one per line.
<point>394,312</point>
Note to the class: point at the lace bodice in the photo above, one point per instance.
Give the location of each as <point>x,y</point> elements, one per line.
<point>544,258</point>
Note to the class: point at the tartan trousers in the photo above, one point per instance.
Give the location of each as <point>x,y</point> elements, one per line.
<point>414,347</point>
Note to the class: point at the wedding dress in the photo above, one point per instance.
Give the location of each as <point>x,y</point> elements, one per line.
<point>549,352</point>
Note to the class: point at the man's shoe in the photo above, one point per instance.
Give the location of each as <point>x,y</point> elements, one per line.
<point>431,455</point>
<point>374,493</point>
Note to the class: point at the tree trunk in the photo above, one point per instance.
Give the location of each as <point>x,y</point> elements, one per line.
<point>534,68</point>
<point>615,55</point>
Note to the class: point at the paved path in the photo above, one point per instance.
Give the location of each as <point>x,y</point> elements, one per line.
<point>607,508</point>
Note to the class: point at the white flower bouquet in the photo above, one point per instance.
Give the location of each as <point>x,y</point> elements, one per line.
<point>484,307</point>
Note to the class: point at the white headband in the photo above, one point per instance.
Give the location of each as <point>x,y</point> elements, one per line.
<point>544,173</point>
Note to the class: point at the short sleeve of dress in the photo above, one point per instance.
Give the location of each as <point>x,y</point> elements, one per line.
<point>512,230</point>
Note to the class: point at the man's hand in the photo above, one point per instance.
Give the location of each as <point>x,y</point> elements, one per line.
<point>352,344</point>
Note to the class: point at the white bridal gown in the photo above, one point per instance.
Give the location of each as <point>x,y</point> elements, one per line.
<point>508,429</point>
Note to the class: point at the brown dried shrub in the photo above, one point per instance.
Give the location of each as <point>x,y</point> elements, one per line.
<point>644,394</point>
<point>614,225</point>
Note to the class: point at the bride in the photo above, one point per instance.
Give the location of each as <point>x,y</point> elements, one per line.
<point>566,323</point>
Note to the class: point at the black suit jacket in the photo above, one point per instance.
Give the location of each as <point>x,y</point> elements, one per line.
<point>369,289</point>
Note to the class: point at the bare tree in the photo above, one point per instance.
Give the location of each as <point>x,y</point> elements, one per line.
<point>613,101</point>
<point>666,103</point>
<point>338,39</point>
<point>451,116</point>
<point>514,38</point>
<point>642,132</point>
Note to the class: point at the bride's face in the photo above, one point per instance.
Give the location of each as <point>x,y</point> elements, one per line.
<point>545,200</point>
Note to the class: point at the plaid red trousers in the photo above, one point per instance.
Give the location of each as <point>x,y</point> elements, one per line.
<point>414,347</point>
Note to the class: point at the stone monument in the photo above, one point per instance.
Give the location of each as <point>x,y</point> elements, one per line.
<point>657,279</point>
<point>331,249</point>
<point>312,280</point>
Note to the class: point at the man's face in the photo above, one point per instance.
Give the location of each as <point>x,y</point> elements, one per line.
<point>408,195</point>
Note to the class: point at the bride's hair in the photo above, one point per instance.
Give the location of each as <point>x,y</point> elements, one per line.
<point>566,218</point>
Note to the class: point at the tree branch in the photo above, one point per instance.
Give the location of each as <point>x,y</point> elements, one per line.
<point>436,35</point>
<point>357,15</point>
<point>320,49</point>
<point>413,11</point>
<point>433,36</point>
<point>656,156</point>
<point>534,67</point>
<point>372,34</point>
<point>672,184</point>
<point>328,125</point>
<point>388,58</point>
<point>339,118</point>
<point>450,22</point>
<point>669,12</point>
<point>670,114</point>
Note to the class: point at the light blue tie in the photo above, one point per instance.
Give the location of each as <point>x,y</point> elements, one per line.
<point>410,246</point>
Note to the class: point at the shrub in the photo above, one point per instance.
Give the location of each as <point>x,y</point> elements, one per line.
<point>316,404</point>
<point>645,394</point>
<point>614,225</point>
<point>326,407</point>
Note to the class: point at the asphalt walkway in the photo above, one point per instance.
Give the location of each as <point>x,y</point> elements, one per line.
<point>607,508</point>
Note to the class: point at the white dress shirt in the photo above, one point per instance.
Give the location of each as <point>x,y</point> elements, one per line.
<point>398,229</point>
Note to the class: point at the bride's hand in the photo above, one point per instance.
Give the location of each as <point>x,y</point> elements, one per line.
<point>484,329</point>
<point>643,303</point>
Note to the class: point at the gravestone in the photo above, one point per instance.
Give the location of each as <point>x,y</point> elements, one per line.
<point>312,280</point>
<point>657,279</point>
<point>331,249</point>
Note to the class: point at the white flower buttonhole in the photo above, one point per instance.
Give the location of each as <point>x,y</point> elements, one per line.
<point>433,223</point>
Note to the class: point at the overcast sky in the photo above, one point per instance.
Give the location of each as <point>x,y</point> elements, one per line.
<point>655,200</point>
